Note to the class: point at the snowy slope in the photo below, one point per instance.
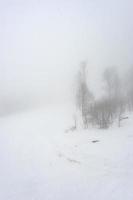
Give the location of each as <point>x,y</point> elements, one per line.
<point>40,161</point>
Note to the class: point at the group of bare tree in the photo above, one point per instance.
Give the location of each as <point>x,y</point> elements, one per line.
<point>111,107</point>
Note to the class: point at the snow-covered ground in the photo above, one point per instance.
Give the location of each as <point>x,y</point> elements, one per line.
<point>41,161</point>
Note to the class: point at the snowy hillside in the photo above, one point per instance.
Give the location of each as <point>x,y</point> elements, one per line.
<point>40,161</point>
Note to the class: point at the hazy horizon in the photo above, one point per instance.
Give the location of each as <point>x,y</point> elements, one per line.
<point>43,43</point>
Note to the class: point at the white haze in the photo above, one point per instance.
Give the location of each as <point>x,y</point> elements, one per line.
<point>43,42</point>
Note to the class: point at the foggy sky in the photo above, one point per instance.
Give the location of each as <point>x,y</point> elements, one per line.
<point>43,42</point>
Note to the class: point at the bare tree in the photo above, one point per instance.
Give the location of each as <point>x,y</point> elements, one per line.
<point>83,96</point>
<point>115,93</point>
<point>112,83</point>
<point>129,88</point>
